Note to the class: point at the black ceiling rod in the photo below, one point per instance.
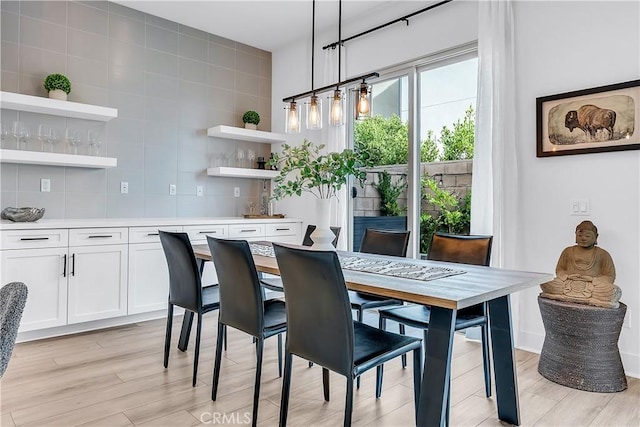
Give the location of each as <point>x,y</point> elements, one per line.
<point>313,40</point>
<point>333,85</point>
<point>401,19</point>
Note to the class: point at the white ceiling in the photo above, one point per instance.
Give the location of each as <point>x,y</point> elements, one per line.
<point>271,24</point>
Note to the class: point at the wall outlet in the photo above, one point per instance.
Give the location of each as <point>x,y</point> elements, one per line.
<point>45,185</point>
<point>124,187</point>
<point>199,191</point>
<point>172,189</point>
<point>236,191</point>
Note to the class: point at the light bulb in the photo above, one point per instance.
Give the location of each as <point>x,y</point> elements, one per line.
<point>314,113</point>
<point>363,108</point>
<point>292,120</point>
<point>336,109</point>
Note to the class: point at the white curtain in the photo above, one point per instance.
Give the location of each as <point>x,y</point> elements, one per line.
<point>495,195</point>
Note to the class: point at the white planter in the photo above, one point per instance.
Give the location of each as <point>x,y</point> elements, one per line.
<point>250,126</point>
<point>58,94</point>
<point>322,236</point>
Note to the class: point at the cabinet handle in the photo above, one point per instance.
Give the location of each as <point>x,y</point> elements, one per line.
<point>34,238</point>
<point>283,229</point>
<point>153,234</point>
<point>247,231</point>
<point>64,269</point>
<point>103,236</point>
<point>208,232</point>
<point>73,264</point>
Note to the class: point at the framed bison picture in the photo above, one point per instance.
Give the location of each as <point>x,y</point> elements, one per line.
<point>596,120</point>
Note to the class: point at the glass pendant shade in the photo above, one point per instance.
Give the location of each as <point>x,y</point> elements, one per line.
<point>363,102</point>
<point>314,113</point>
<point>292,118</point>
<point>336,114</point>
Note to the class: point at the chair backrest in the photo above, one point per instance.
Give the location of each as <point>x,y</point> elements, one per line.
<point>306,241</point>
<point>13,297</point>
<point>185,288</point>
<point>241,303</point>
<point>319,320</point>
<point>385,242</point>
<point>462,249</point>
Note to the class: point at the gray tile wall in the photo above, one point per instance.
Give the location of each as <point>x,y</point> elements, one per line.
<point>169,83</point>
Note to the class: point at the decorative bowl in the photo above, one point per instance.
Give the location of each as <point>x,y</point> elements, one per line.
<point>22,214</point>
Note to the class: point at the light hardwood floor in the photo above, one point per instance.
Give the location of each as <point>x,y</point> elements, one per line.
<point>115,377</point>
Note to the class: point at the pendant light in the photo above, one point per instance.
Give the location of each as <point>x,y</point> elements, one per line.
<point>292,118</point>
<point>314,106</point>
<point>336,115</point>
<point>363,102</point>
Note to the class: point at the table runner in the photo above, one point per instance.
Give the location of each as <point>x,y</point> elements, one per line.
<point>378,266</point>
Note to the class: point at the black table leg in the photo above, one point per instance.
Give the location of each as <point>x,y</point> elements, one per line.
<point>187,320</point>
<point>432,408</point>
<point>504,360</point>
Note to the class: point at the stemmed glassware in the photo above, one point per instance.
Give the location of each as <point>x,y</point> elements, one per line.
<point>52,138</point>
<point>43,135</point>
<point>21,134</point>
<point>4,134</point>
<point>94,142</point>
<point>71,136</point>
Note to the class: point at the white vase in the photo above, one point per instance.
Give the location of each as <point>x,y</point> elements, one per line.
<point>250,126</point>
<point>322,236</point>
<point>58,94</point>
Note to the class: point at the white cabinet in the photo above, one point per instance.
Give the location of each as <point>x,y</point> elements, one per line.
<point>44,272</point>
<point>282,232</point>
<point>148,272</point>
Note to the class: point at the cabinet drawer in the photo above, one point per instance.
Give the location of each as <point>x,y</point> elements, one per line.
<point>282,229</point>
<point>200,232</point>
<point>241,231</point>
<point>29,239</point>
<point>149,234</point>
<point>98,236</point>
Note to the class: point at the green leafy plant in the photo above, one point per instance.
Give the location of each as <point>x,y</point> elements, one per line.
<point>57,81</point>
<point>389,193</point>
<point>251,117</point>
<point>306,169</point>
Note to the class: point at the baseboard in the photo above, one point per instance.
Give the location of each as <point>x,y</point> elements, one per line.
<point>631,364</point>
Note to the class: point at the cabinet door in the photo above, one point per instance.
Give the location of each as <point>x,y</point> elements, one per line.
<point>97,282</point>
<point>43,271</point>
<point>148,278</point>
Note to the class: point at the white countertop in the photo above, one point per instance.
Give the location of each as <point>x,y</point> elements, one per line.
<point>134,222</point>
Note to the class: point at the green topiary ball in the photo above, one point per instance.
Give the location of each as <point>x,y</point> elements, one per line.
<point>251,117</point>
<point>57,81</point>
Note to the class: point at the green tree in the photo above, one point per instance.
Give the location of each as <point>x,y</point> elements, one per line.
<point>457,143</point>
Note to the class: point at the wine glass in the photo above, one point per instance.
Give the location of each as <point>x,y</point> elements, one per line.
<point>21,134</point>
<point>4,134</point>
<point>43,136</point>
<point>94,142</point>
<point>251,158</point>
<point>52,138</point>
<point>71,136</point>
<point>240,158</point>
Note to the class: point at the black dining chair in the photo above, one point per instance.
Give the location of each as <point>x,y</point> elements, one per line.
<point>185,288</point>
<point>275,283</point>
<point>475,250</point>
<point>243,307</point>
<point>321,329</point>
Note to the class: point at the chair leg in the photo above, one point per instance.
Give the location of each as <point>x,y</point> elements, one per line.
<point>167,336</point>
<point>218,360</point>
<point>486,360</point>
<point>382,325</point>
<point>348,407</point>
<point>256,389</point>
<point>404,356</point>
<point>325,383</point>
<point>280,355</point>
<point>225,338</point>
<point>286,388</point>
<point>197,352</point>
<point>417,377</point>
<point>360,317</point>
<point>185,332</point>
<point>310,364</point>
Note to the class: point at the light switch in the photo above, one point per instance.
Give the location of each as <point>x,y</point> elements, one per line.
<point>172,189</point>
<point>580,207</point>
<point>199,191</point>
<point>124,187</point>
<point>45,185</point>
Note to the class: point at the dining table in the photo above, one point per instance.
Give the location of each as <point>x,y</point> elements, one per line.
<point>427,282</point>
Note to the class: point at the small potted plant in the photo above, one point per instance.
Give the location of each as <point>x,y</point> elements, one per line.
<point>251,120</point>
<point>58,86</point>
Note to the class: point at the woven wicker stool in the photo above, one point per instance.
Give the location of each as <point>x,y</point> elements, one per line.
<point>581,346</point>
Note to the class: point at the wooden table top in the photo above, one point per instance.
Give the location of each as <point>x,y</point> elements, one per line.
<point>476,285</point>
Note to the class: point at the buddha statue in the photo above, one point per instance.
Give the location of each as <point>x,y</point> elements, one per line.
<point>585,273</point>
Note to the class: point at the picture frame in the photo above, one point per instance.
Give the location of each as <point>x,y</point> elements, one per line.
<point>596,120</point>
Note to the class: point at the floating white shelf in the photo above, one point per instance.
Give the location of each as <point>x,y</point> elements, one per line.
<point>56,159</point>
<point>38,104</point>
<point>242,173</point>
<point>241,134</point>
